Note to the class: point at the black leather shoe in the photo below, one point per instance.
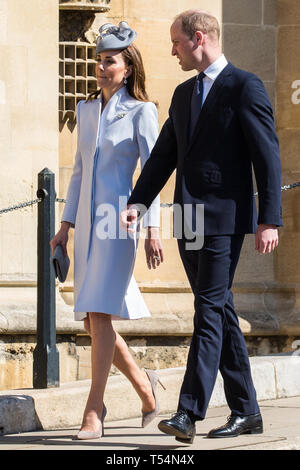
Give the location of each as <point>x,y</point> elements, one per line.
<point>237,425</point>
<point>180,426</point>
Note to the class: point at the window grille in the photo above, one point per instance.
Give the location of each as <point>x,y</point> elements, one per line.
<point>77,75</point>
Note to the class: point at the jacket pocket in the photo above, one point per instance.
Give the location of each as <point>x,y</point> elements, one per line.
<point>201,181</point>
<point>215,178</point>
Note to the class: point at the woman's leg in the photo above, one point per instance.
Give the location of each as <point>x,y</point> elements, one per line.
<point>125,363</point>
<point>103,345</point>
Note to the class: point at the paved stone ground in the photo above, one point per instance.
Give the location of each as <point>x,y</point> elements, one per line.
<point>281,432</point>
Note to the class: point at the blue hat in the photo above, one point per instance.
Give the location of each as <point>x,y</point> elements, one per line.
<point>114,37</point>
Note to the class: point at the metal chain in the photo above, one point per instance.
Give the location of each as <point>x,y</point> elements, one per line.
<point>290,186</point>
<point>20,206</point>
<point>58,199</point>
<point>26,204</point>
<point>286,187</point>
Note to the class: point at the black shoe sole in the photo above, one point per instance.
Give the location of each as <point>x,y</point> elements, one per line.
<point>180,436</point>
<point>257,430</point>
<point>185,440</point>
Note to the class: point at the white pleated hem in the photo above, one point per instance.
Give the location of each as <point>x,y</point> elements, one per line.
<point>133,306</point>
<point>80,316</point>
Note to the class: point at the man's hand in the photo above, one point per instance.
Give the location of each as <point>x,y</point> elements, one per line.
<point>128,217</point>
<point>266,238</point>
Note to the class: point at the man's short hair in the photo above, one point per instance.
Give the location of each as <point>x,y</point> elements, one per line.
<point>198,20</point>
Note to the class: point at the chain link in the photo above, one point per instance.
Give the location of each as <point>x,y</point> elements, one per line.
<point>58,199</point>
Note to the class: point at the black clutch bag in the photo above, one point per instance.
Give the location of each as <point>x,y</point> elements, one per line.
<point>61,263</point>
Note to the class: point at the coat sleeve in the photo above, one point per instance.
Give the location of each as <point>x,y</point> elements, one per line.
<point>73,193</point>
<point>158,167</point>
<point>257,121</point>
<point>147,133</point>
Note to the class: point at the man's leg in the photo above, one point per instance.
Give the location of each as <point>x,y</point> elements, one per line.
<point>211,284</point>
<point>235,366</point>
<point>240,393</point>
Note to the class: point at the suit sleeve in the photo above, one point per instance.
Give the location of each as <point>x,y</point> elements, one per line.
<point>73,193</point>
<point>147,133</point>
<point>158,168</point>
<point>257,121</point>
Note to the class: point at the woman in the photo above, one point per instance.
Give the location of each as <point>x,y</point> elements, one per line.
<point>116,125</point>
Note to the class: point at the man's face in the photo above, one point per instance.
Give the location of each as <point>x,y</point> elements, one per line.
<point>183,47</point>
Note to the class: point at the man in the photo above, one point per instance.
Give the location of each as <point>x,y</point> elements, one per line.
<point>220,124</point>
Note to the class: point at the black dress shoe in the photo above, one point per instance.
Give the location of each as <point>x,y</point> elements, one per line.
<point>237,425</point>
<point>180,426</point>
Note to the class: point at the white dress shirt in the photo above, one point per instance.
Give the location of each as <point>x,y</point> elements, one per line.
<point>212,71</point>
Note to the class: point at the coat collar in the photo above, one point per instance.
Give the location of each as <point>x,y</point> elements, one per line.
<point>118,105</point>
<point>116,108</point>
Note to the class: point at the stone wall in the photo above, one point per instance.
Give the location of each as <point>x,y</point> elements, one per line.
<point>249,38</point>
<point>153,352</point>
<point>162,352</point>
<point>288,125</point>
<point>262,36</point>
<point>250,43</point>
<point>28,143</point>
<point>28,124</point>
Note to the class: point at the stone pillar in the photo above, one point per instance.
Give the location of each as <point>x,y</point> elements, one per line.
<point>288,124</point>
<point>257,37</point>
<point>28,143</point>
<point>28,130</point>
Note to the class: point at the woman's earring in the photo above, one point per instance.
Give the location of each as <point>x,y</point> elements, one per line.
<point>125,81</point>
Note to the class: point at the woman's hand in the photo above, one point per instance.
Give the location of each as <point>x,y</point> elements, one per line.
<point>153,248</point>
<point>61,238</point>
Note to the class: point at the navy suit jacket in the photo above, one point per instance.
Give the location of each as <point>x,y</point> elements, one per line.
<point>235,133</point>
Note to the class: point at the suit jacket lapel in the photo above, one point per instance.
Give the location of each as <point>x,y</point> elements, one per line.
<point>185,110</point>
<point>209,103</point>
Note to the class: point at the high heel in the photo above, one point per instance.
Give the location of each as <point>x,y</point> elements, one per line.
<point>153,379</point>
<point>82,435</point>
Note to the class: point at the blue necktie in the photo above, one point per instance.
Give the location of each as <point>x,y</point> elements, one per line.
<point>196,102</point>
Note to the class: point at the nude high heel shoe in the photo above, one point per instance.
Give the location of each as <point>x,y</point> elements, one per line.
<point>82,435</point>
<point>153,379</point>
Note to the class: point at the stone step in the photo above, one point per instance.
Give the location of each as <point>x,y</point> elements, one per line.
<point>275,376</point>
<point>281,432</point>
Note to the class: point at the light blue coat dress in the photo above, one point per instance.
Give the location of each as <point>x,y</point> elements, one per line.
<point>109,145</point>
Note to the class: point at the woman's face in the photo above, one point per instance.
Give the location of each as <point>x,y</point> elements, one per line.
<point>111,70</point>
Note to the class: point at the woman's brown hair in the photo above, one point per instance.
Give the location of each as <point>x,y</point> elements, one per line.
<point>136,81</point>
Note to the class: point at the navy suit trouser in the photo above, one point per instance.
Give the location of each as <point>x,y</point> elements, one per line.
<point>218,342</point>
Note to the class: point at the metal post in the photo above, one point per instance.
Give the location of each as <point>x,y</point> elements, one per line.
<point>45,355</point>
